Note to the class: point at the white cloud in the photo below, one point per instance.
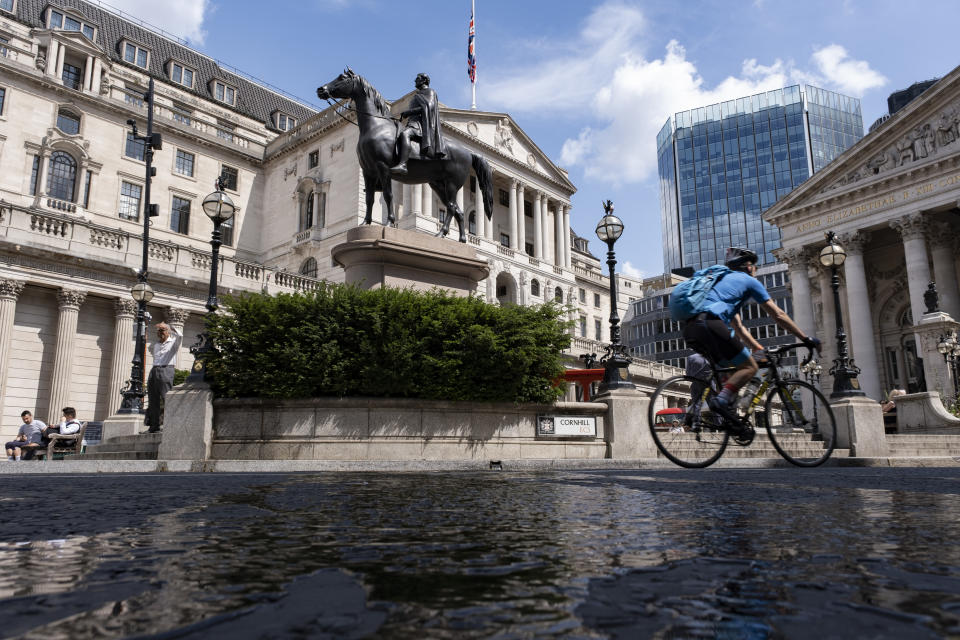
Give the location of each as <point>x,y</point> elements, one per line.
<point>182,18</point>
<point>629,97</point>
<point>843,73</point>
<point>628,269</point>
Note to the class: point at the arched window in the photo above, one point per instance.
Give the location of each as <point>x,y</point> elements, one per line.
<point>309,267</point>
<point>63,176</point>
<point>558,295</point>
<point>535,287</point>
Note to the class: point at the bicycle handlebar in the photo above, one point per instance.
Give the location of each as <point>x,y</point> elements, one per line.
<point>780,349</point>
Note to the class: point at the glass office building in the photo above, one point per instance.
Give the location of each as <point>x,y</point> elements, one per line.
<point>722,165</point>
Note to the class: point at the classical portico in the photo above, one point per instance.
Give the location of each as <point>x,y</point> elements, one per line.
<point>894,201</point>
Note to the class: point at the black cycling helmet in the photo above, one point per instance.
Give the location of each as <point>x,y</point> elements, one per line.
<point>738,257</point>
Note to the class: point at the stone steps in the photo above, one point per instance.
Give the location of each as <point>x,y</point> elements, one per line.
<point>923,445</point>
<point>143,446</point>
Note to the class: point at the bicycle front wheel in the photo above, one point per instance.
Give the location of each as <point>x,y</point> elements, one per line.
<point>800,423</point>
<point>702,439</point>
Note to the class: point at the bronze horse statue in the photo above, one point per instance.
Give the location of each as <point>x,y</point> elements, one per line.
<point>376,150</point>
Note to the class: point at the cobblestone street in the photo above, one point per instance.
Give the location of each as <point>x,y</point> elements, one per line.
<point>792,553</point>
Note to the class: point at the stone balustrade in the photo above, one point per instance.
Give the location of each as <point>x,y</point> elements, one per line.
<point>37,233</point>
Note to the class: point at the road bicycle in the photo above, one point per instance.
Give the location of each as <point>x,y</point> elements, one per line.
<point>796,416</point>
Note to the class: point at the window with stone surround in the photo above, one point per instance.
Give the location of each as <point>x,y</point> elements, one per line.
<point>134,148</point>
<point>59,19</point>
<point>180,215</point>
<point>72,76</point>
<point>8,5</point>
<point>62,176</point>
<point>181,75</point>
<point>226,231</point>
<point>313,159</point>
<point>504,198</point>
<point>135,54</point>
<point>223,92</point>
<point>535,288</point>
<point>231,177</point>
<point>34,175</point>
<point>3,99</point>
<point>309,268</point>
<point>129,205</point>
<point>284,122</point>
<point>183,164</point>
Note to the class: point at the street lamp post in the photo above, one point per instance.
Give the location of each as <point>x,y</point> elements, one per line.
<point>133,391</point>
<point>811,373</point>
<point>609,230</point>
<point>949,348</point>
<point>220,209</point>
<point>844,372</point>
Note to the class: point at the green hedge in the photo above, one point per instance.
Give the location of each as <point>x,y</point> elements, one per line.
<point>344,341</point>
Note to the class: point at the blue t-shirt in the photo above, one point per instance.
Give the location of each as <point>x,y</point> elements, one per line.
<point>729,294</point>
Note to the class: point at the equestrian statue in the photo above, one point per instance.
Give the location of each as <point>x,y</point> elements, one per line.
<point>414,154</point>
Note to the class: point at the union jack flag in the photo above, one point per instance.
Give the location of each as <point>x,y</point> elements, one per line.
<point>471,53</point>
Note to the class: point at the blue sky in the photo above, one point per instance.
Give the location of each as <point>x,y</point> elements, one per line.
<point>590,81</point>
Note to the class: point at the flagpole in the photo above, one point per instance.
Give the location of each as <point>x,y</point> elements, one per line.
<point>473,84</point>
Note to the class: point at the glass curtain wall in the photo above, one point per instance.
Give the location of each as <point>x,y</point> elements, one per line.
<point>722,165</point>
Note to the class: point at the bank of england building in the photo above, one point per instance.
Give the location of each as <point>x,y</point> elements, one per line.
<point>72,193</point>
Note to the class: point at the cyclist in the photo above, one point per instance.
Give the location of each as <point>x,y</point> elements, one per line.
<point>719,334</point>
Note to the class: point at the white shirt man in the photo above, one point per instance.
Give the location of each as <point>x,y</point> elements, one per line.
<point>160,381</point>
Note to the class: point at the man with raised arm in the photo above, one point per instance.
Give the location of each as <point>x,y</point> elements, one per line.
<point>718,333</point>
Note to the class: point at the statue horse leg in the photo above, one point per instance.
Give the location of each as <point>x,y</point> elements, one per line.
<point>386,187</point>
<point>448,195</point>
<point>370,193</point>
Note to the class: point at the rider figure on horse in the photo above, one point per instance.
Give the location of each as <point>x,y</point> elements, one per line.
<point>423,126</point>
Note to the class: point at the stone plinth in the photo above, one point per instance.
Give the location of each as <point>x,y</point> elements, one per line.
<point>375,256</point>
<point>931,328</point>
<point>122,424</point>
<point>626,428</point>
<point>187,423</point>
<point>860,426</point>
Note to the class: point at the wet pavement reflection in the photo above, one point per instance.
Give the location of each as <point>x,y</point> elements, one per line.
<point>786,553</point>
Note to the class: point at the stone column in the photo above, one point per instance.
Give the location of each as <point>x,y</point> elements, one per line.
<point>97,74</point>
<point>416,199</point>
<point>797,261</point>
<point>514,235</point>
<point>123,345</point>
<point>861,331</point>
<point>559,249</point>
<point>829,324</point>
<point>566,236</point>
<point>521,221</point>
<point>912,229</point>
<point>69,301</point>
<point>427,200</point>
<point>407,197</point>
<point>176,318</point>
<point>538,202</point>
<point>61,52</point>
<point>10,290</point>
<point>481,212</point>
<point>88,73</point>
<point>943,251</point>
<point>52,52</point>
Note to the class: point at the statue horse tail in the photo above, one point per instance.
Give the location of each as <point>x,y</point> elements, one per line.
<point>484,182</point>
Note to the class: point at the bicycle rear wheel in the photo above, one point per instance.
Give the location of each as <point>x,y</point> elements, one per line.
<point>703,439</point>
<point>800,423</point>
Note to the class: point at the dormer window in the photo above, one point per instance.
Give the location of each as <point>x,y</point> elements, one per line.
<point>224,93</point>
<point>284,122</point>
<point>135,55</point>
<point>66,22</point>
<point>7,5</point>
<point>181,74</point>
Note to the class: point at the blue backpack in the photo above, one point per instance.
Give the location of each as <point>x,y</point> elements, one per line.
<point>689,297</point>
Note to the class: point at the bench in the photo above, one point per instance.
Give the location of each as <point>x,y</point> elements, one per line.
<point>62,444</point>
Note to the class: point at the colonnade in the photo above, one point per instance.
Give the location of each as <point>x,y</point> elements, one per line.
<point>417,199</point>
<point>70,302</point>
<point>916,233</point>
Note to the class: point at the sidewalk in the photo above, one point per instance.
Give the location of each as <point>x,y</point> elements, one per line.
<point>31,467</point>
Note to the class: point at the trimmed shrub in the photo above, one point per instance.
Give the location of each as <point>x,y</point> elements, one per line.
<point>344,341</point>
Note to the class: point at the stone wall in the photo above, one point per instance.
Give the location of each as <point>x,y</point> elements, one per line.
<point>394,429</point>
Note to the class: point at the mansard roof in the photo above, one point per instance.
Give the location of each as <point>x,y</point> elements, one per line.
<point>253,100</point>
